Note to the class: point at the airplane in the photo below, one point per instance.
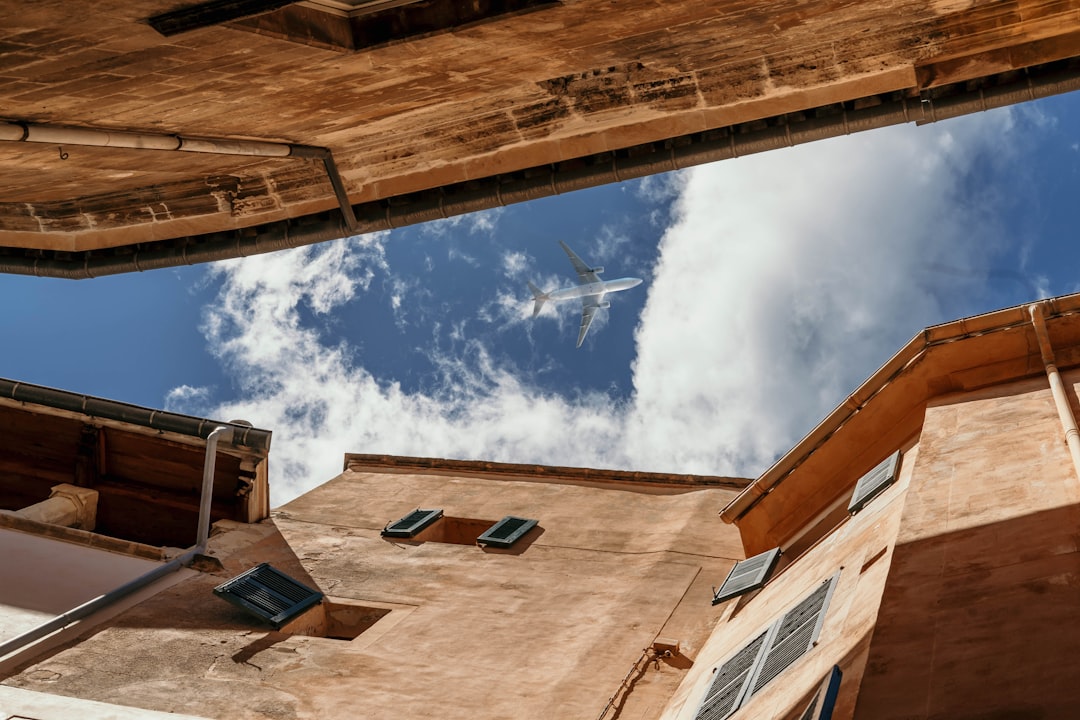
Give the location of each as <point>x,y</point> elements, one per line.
<point>591,289</point>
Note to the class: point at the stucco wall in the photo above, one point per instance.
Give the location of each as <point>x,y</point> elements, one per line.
<point>860,550</point>
<point>978,618</point>
<point>540,631</point>
<point>569,80</point>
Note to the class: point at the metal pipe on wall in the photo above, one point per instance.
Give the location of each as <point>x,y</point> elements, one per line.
<point>1057,386</point>
<point>220,433</point>
<point>100,137</point>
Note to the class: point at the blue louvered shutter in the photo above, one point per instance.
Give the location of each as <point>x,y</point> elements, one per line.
<point>412,523</point>
<point>874,482</point>
<point>507,531</point>
<point>268,593</point>
<point>821,707</point>
<point>794,635</point>
<point>747,575</point>
<point>728,686</point>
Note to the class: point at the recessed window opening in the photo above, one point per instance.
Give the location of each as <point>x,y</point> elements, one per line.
<point>348,26</point>
<point>432,526</point>
<point>339,620</point>
<point>454,530</point>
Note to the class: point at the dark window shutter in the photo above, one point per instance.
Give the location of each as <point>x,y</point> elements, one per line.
<point>268,593</point>
<point>412,523</point>
<point>506,532</point>
<point>729,685</point>
<point>795,634</point>
<point>821,707</point>
<point>872,483</point>
<point>747,575</point>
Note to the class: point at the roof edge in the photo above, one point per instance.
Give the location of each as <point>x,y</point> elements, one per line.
<point>244,436</point>
<point>900,106</point>
<point>515,471</point>
<point>913,352</point>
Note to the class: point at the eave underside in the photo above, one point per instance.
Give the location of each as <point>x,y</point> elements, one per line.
<point>415,123</point>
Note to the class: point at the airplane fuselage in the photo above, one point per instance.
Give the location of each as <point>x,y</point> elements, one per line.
<point>597,288</point>
<point>590,290</point>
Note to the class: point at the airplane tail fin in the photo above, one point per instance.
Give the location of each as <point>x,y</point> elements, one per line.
<point>539,298</point>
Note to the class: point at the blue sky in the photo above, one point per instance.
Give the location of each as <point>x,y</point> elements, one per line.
<point>774,285</point>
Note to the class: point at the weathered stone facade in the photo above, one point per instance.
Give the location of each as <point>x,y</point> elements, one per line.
<point>568,82</point>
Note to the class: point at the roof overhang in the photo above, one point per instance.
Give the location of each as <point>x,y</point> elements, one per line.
<point>887,409</point>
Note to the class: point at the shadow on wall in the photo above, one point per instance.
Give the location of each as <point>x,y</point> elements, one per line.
<point>980,624</point>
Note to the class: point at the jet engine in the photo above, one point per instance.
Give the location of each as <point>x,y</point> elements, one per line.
<point>597,270</point>
<point>604,305</point>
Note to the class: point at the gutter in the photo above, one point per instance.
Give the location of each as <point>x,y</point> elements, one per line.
<point>675,153</point>
<point>242,436</point>
<point>907,357</point>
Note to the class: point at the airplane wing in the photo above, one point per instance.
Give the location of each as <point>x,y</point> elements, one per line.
<point>589,306</point>
<point>584,272</point>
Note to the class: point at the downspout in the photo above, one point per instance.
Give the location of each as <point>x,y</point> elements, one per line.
<point>1057,387</point>
<point>220,432</point>
<point>96,137</point>
<point>101,601</point>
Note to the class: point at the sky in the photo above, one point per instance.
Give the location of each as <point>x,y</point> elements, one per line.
<point>775,284</point>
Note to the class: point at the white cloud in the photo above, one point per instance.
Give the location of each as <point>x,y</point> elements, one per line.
<point>610,244</point>
<point>484,222</point>
<point>815,262</point>
<point>188,399</point>
<point>514,264</point>
<point>784,281</point>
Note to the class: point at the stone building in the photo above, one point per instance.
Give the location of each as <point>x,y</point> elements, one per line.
<point>145,134</point>
<point>915,556</point>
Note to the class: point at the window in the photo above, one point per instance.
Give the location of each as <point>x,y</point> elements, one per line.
<point>766,656</point>
<point>345,25</point>
<point>412,523</point>
<point>747,575</point>
<point>506,532</point>
<point>874,482</point>
<point>432,526</point>
<point>269,594</point>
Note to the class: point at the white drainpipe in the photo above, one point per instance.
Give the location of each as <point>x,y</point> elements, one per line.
<point>101,137</point>
<point>91,606</point>
<point>1057,387</point>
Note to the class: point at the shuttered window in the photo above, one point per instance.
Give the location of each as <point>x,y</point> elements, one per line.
<point>794,635</point>
<point>765,657</point>
<point>874,482</point>
<point>747,575</point>
<point>412,523</point>
<point>506,532</point>
<point>729,684</point>
<point>269,594</point>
